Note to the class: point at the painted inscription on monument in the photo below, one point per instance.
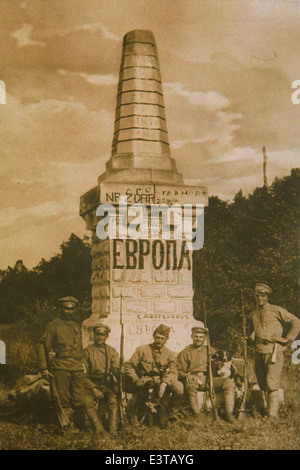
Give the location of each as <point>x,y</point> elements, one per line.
<point>147,194</point>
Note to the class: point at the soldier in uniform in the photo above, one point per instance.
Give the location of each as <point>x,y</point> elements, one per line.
<point>269,321</point>
<point>192,371</point>
<point>102,364</point>
<point>152,366</point>
<point>62,341</point>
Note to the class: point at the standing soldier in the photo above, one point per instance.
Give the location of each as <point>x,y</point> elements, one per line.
<point>152,366</point>
<point>62,341</point>
<point>101,362</point>
<point>269,321</point>
<point>192,365</point>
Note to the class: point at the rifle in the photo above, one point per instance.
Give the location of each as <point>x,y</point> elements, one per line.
<point>246,380</point>
<point>62,418</point>
<point>274,354</point>
<point>212,394</point>
<point>120,389</point>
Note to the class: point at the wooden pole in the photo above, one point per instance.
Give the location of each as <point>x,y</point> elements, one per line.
<point>265,167</point>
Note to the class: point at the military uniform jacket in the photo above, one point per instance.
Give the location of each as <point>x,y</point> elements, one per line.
<point>192,360</point>
<point>64,339</point>
<point>151,362</point>
<point>100,362</point>
<point>269,325</point>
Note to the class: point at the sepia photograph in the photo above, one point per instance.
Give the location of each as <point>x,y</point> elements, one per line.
<point>149,224</point>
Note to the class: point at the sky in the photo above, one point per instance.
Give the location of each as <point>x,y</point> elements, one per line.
<point>227,69</point>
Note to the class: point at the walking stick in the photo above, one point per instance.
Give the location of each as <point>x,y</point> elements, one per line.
<point>120,390</point>
<point>62,418</point>
<point>212,394</point>
<point>242,409</point>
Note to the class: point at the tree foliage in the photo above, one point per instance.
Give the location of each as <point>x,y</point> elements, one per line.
<point>253,239</point>
<point>31,293</point>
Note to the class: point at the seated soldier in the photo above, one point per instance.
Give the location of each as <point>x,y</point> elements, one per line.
<point>152,366</point>
<point>192,371</point>
<point>102,363</point>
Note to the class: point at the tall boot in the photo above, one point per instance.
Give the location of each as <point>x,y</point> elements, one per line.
<point>229,405</point>
<point>97,425</point>
<point>193,402</point>
<point>113,420</point>
<point>79,418</point>
<point>273,404</point>
<point>175,404</point>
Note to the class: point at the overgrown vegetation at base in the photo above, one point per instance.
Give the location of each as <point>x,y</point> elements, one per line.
<point>25,431</point>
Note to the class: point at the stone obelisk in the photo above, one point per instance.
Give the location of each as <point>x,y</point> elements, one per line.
<point>147,281</point>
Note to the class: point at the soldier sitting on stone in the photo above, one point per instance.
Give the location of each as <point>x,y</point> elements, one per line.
<point>102,363</point>
<point>192,371</point>
<point>152,367</point>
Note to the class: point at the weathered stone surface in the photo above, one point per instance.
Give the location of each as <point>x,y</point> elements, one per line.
<point>164,306</point>
<point>118,275</point>
<point>165,276</point>
<point>151,290</point>
<point>137,306</point>
<point>101,307</point>
<point>185,276</point>
<point>102,246</point>
<point>186,306</point>
<point>127,291</point>
<point>156,284</point>
<point>100,292</point>
<point>180,291</point>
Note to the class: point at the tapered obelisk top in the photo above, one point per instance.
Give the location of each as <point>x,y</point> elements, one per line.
<point>140,138</point>
<point>139,35</point>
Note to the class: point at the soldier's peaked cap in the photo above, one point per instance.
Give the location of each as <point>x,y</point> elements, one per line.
<point>262,289</point>
<point>163,330</point>
<point>66,300</point>
<point>101,327</point>
<point>199,329</point>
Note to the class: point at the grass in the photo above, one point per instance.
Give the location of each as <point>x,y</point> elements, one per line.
<point>35,429</point>
<point>31,425</point>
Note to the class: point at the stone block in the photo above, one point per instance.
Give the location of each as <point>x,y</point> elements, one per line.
<point>127,291</point>
<point>140,85</point>
<point>101,307</point>
<point>186,306</point>
<point>144,97</point>
<point>100,291</point>
<point>151,290</point>
<point>165,276</point>
<point>149,73</point>
<point>164,306</point>
<point>180,291</point>
<point>137,306</point>
<point>117,275</point>
<point>185,276</point>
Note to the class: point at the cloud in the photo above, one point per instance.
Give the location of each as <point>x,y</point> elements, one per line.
<point>96,27</point>
<point>211,100</point>
<point>23,36</point>
<point>95,79</point>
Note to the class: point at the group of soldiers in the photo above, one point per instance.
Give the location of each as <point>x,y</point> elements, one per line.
<point>85,379</point>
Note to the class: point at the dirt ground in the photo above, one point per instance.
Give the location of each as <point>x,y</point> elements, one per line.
<point>35,429</point>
